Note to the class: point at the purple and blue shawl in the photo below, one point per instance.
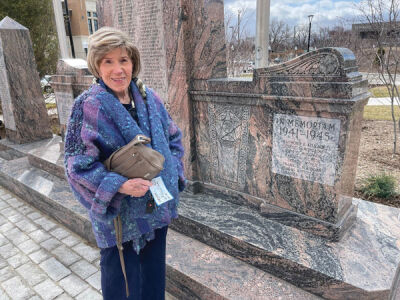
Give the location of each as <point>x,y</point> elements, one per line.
<point>99,125</point>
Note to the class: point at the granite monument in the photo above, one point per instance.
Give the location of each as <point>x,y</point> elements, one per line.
<point>24,110</point>
<point>271,165</point>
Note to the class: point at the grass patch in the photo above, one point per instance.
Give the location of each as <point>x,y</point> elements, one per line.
<point>380,92</point>
<point>381,186</point>
<point>380,112</point>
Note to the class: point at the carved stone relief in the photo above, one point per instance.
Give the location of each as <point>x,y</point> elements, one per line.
<point>229,131</point>
<point>323,64</point>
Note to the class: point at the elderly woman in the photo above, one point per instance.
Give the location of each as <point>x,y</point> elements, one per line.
<point>103,119</point>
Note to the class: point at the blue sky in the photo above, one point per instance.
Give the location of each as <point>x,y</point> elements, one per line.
<point>295,12</point>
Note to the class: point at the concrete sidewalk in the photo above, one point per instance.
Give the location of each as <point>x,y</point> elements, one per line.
<point>382,101</point>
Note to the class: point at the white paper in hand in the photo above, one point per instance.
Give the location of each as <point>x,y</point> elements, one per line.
<point>159,191</point>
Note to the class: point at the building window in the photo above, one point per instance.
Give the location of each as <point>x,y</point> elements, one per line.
<point>92,21</point>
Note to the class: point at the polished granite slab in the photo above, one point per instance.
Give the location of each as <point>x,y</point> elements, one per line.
<point>45,154</point>
<point>363,265</point>
<point>212,274</point>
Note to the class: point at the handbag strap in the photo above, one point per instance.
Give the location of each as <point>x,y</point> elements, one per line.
<point>118,233</point>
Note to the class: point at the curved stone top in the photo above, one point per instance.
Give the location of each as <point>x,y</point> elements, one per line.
<point>8,23</point>
<point>324,64</point>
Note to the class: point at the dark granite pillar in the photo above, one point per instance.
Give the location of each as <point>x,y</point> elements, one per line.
<point>24,110</point>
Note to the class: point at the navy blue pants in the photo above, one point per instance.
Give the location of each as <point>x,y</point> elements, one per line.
<point>145,271</point>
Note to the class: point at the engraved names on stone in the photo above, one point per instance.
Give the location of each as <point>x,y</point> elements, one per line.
<point>5,97</point>
<point>151,45</point>
<point>65,102</point>
<point>305,147</point>
<point>143,21</point>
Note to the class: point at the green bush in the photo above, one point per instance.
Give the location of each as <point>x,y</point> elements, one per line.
<point>381,185</point>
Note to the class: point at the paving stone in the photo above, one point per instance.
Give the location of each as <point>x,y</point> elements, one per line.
<point>3,263</point>
<point>26,226</point>
<point>87,252</point>
<point>5,196</point>
<point>25,210</point>
<point>35,215</point>
<point>9,212</point>
<point>8,250</point>
<point>54,269</point>
<point>95,280</point>
<point>6,273</point>
<point>96,263</point>
<point>50,244</point>
<point>73,285</point>
<point>89,294</point>
<point>6,227</point>
<point>17,260</point>
<point>83,269</point>
<point>3,220</point>
<point>28,246</point>
<point>3,295</point>
<point>71,240</point>
<point>64,297</point>
<point>14,202</point>
<point>39,256</point>
<point>17,288</point>
<point>65,255</point>
<point>3,204</point>
<point>48,290</point>
<point>60,233</point>
<point>39,235</point>
<point>3,240</point>
<point>16,236</point>
<point>45,223</point>
<point>16,218</point>
<point>31,273</point>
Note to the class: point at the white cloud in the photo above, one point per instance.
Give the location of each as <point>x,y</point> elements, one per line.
<point>295,12</point>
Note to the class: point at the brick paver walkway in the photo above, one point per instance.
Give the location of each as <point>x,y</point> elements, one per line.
<point>41,259</point>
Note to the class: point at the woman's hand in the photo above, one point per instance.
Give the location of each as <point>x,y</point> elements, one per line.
<point>136,187</point>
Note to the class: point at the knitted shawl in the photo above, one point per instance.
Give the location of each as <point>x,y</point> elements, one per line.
<point>99,125</point>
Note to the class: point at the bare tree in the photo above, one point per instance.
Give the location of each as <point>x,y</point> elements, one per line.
<point>240,47</point>
<point>381,18</point>
<point>279,35</point>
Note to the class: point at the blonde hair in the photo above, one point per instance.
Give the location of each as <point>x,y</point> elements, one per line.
<point>105,40</point>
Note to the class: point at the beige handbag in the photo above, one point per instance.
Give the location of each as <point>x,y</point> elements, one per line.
<point>134,160</point>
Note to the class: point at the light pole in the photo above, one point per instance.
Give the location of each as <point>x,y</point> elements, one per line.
<point>67,18</point>
<point>309,32</point>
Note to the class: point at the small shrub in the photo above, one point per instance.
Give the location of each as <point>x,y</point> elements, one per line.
<point>381,185</point>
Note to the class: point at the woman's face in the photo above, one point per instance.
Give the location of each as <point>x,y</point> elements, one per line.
<point>115,70</point>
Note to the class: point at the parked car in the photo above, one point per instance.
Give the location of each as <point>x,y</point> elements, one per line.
<point>45,83</point>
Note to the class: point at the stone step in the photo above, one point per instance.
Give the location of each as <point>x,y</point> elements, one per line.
<point>344,270</point>
<point>194,270</point>
<point>46,192</point>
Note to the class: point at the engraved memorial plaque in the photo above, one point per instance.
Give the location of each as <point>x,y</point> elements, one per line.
<point>305,147</point>
<point>64,104</point>
<point>6,103</point>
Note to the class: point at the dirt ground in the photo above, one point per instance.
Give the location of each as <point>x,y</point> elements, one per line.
<point>376,156</point>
